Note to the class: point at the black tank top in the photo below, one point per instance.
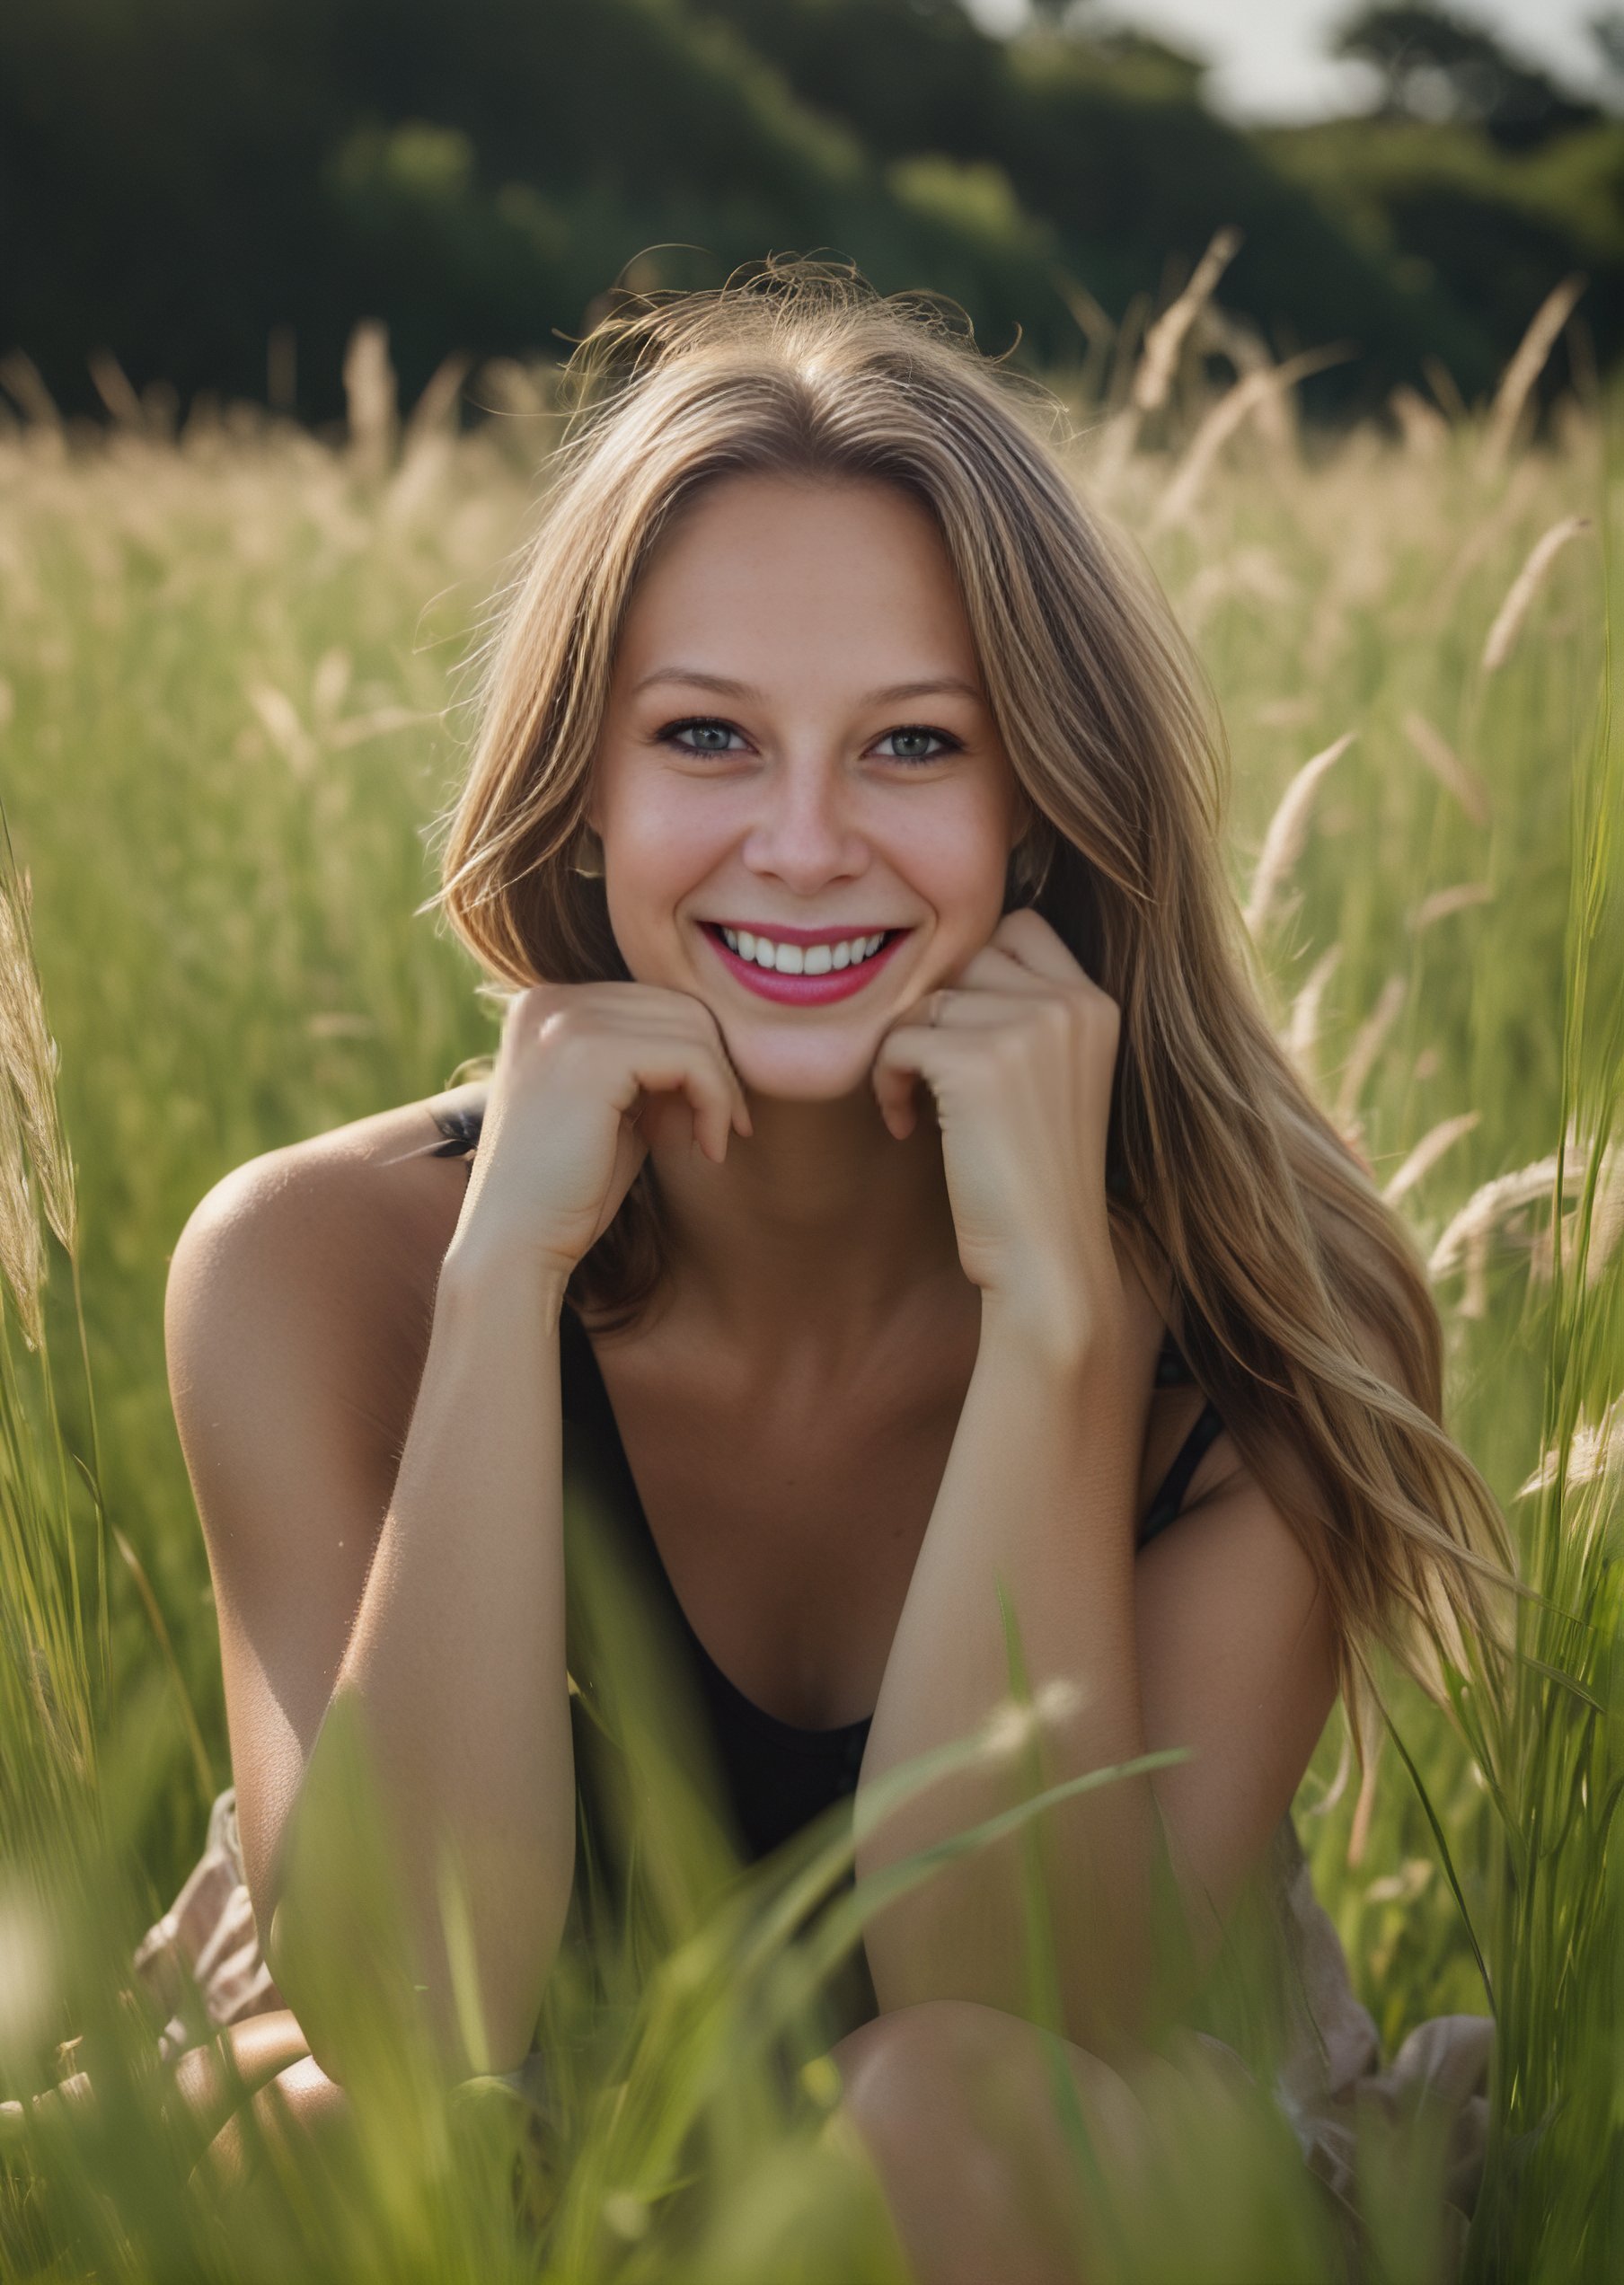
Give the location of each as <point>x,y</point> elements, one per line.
<point>776,1776</point>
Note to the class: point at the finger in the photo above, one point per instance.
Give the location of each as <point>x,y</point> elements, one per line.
<point>738,1108</point>
<point>894,1083</point>
<point>664,1125</point>
<point>695,1072</point>
<point>950,1009</point>
<point>992,969</point>
<point>641,1008</point>
<point>711,1056</point>
<point>911,1052</point>
<point>900,1062</point>
<point>710,1094</point>
<point>1026,937</point>
<point>710,1032</point>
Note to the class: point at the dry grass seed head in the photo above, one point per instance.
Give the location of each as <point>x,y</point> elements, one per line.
<point>1287,834</point>
<point>1525,590</point>
<point>28,1056</point>
<point>1525,368</point>
<point>22,1248</point>
<point>1302,1029</point>
<point>1427,1151</point>
<point>1446,765</point>
<point>1596,1452</point>
<point>1368,1043</point>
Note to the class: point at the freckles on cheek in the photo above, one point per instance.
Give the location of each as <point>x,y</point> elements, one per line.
<point>959,864</point>
<point>656,853</point>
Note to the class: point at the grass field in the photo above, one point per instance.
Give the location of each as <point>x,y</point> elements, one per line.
<point>229,709</point>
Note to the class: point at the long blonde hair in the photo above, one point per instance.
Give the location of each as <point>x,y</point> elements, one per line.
<point>1302,1304</point>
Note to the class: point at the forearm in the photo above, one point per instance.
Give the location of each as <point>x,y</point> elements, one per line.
<point>455,1668</point>
<point>1037,1495</point>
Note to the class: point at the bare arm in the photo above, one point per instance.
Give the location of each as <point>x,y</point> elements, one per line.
<point>382,1509</point>
<point>1213,1642</point>
<point>1036,1498</point>
<point>430,1594</point>
<point>1214,1639</point>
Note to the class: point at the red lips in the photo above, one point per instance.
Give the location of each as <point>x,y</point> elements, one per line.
<point>804,990</point>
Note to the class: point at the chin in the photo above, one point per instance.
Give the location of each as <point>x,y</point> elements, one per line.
<point>771,1062</point>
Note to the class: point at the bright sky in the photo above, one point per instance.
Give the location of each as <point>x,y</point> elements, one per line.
<point>1269,57</point>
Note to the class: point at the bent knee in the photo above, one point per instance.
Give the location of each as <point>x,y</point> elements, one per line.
<point>916,2044</point>
<point>304,2092</point>
<point>212,2078</point>
<point>298,2109</point>
<point>947,2064</point>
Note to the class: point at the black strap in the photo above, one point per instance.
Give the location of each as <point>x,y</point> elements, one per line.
<point>461,1130</point>
<point>1164,1508</point>
<point>1172,1371</point>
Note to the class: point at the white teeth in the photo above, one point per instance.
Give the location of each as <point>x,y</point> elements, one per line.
<point>798,959</point>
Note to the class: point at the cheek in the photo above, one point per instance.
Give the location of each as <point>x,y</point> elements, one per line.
<point>658,849</point>
<point>956,855</point>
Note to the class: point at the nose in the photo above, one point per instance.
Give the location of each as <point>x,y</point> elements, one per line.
<point>806,834</point>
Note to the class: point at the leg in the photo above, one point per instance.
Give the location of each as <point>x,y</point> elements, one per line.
<point>297,2109</point>
<point>212,2081</point>
<point>956,2104</point>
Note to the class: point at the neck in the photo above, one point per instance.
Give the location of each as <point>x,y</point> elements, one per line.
<point>819,1209</point>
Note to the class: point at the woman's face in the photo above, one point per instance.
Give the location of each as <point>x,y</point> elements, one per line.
<point>804,808</point>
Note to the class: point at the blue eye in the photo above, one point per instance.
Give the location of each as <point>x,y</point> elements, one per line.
<point>702,735</point>
<point>914,743</point>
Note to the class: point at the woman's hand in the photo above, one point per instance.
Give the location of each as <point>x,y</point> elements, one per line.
<point>1020,1053</point>
<point>587,1074</point>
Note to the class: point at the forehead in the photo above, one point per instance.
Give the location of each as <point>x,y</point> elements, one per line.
<point>850,579</point>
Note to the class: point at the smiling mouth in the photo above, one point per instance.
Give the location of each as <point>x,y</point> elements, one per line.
<point>801,959</point>
<point>791,968</point>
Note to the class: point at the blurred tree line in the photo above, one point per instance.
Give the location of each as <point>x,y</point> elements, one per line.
<point>184,181</point>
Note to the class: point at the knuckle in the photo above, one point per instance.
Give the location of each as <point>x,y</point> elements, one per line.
<point>694,1017</point>
<point>527,1009</point>
<point>563,1023</point>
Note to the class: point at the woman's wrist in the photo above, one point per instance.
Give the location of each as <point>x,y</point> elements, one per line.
<point>478,1264</point>
<point>1053,1326</point>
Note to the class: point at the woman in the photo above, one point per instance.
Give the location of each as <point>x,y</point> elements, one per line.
<point>889,1183</point>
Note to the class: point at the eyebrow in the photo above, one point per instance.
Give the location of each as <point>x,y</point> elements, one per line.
<point>934,686</point>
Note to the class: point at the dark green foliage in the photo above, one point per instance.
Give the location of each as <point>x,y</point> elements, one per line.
<point>1434,64</point>
<point>1111,141</point>
<point>178,177</point>
<point>1494,230</point>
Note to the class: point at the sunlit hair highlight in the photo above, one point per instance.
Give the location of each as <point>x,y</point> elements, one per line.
<point>1302,1304</point>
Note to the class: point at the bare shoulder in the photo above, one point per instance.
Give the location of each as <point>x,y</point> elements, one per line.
<point>330,1246</point>
<point>297,1318</point>
<point>374,1179</point>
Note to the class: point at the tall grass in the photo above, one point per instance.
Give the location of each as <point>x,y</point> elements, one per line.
<point>228,709</point>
